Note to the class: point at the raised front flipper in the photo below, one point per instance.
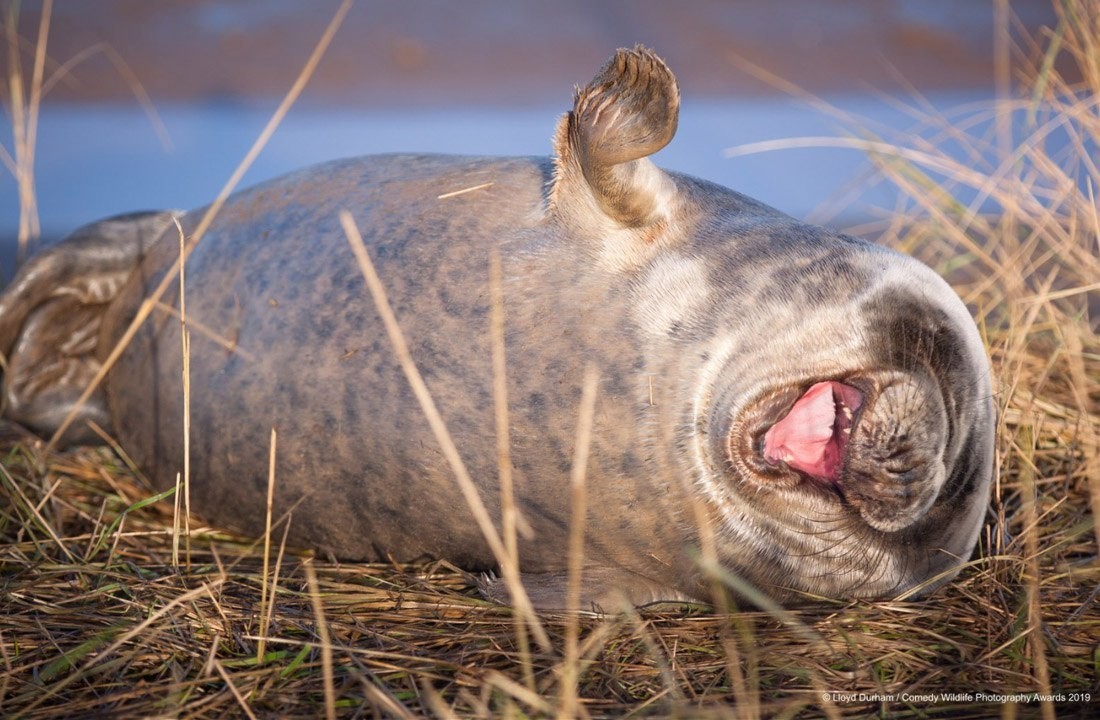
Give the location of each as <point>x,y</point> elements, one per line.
<point>626,113</point>
<point>50,317</point>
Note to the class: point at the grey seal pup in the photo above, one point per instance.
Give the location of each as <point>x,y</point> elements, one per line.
<point>824,404</point>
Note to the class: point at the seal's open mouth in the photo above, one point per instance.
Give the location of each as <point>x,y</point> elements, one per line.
<point>813,436</point>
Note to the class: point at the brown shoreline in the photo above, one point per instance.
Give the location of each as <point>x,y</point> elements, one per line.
<point>428,54</point>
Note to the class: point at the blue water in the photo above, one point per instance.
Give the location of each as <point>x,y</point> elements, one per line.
<point>93,161</point>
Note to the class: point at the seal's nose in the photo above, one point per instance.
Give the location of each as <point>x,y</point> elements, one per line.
<point>895,466</point>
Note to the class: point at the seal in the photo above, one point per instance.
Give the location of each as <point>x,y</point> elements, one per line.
<point>817,406</point>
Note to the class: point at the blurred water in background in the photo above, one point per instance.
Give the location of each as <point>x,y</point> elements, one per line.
<point>489,78</point>
<point>96,161</point>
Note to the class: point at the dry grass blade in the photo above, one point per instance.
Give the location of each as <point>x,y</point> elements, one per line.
<point>264,598</point>
<point>233,688</point>
<point>185,351</point>
<point>211,213</point>
<point>326,642</point>
<point>569,704</point>
<point>193,324</point>
<point>509,516</point>
<point>1033,582</point>
<point>435,420</point>
<point>24,118</point>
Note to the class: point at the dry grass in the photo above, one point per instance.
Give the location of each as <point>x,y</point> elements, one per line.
<point>101,623</point>
<point>99,620</point>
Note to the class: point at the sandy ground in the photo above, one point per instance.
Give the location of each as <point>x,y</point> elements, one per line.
<point>442,53</point>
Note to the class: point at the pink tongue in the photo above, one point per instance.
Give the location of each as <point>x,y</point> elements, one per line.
<point>812,437</point>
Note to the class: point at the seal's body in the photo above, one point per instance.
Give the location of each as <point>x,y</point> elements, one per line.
<point>817,405</point>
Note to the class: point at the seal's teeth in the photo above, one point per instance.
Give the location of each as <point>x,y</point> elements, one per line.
<point>847,431</point>
<point>847,412</point>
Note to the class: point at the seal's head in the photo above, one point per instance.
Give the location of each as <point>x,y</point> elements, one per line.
<point>859,429</point>
<point>833,396</point>
<point>843,407</point>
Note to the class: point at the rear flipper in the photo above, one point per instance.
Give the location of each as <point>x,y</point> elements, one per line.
<point>50,317</point>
